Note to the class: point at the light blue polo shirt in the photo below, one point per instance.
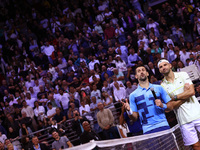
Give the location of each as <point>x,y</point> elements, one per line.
<point>143,102</point>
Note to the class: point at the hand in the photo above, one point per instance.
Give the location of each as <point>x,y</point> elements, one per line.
<point>126,105</point>
<point>159,103</point>
<point>61,130</point>
<point>186,86</point>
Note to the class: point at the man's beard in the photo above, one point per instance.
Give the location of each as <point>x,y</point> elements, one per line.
<point>143,78</point>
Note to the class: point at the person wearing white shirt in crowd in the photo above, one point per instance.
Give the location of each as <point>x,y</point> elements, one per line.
<point>12,100</point>
<point>3,137</point>
<point>95,92</point>
<point>52,110</point>
<point>30,101</point>
<point>36,88</point>
<point>119,92</point>
<point>92,73</point>
<point>152,24</point>
<point>29,112</point>
<point>120,64</point>
<point>48,50</point>
<point>192,59</point>
<point>98,28</point>
<point>107,99</point>
<point>55,24</point>
<point>64,100</point>
<point>115,80</point>
<point>84,109</point>
<point>29,82</point>
<point>93,105</point>
<point>102,6</point>
<point>143,41</point>
<point>33,93</point>
<point>93,62</point>
<point>39,111</point>
<point>184,55</point>
<point>168,41</point>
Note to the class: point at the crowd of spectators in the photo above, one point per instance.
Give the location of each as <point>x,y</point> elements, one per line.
<point>60,59</point>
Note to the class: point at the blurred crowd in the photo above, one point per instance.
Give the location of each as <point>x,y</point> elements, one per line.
<point>65,59</point>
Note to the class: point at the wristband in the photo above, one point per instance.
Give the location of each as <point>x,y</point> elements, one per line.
<point>130,112</point>
<point>164,106</point>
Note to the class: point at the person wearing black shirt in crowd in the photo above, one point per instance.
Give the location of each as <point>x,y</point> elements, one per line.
<point>88,133</point>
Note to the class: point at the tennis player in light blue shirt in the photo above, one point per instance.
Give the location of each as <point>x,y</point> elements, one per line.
<point>143,102</point>
<point>149,102</point>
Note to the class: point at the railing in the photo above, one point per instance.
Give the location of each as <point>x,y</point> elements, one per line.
<point>72,135</point>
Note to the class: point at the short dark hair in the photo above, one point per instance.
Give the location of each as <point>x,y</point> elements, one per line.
<point>140,66</point>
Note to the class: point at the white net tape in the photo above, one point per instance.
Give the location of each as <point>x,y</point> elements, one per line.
<point>165,140</point>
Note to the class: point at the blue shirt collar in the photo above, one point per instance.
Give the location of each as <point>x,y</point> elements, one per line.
<point>150,85</point>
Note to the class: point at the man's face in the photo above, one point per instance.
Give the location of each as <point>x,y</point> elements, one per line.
<point>55,135</point>
<point>141,74</point>
<point>164,68</point>
<point>86,126</point>
<point>35,140</point>
<point>100,106</point>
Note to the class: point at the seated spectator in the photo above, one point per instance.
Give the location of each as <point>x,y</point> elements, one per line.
<point>37,145</point>
<point>120,64</point>
<point>104,70</point>
<point>71,110</point>
<point>63,100</point>
<point>8,108</point>
<point>59,116</point>
<point>25,131</point>
<point>154,71</point>
<point>84,110</point>
<point>60,128</point>
<point>106,122</point>
<point>77,122</point>
<point>29,113</point>
<point>93,105</point>
<point>60,142</point>
<point>92,74</point>
<point>3,137</point>
<point>130,88</point>
<point>73,91</point>
<point>119,92</point>
<point>95,92</point>
<point>119,75</point>
<point>106,88</point>
<point>133,58</point>
<point>11,144</point>
<point>29,100</point>
<point>107,100</point>
<point>39,112</point>
<point>88,134</point>
<point>14,137</point>
<point>51,110</point>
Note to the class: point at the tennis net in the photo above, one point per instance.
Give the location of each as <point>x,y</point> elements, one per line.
<point>165,140</point>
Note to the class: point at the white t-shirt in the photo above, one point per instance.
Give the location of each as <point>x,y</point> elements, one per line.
<point>51,111</point>
<point>48,50</point>
<point>38,110</point>
<point>30,102</point>
<point>188,111</point>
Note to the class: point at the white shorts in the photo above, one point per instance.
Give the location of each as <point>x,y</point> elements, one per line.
<point>189,132</point>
